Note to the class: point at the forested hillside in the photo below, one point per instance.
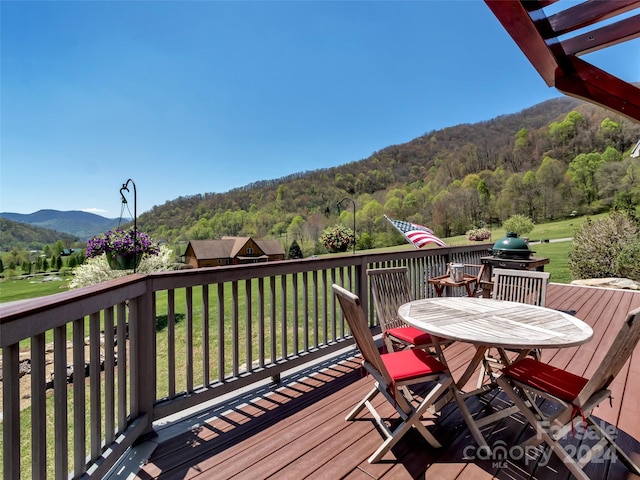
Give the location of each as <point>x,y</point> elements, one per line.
<point>545,162</point>
<point>75,223</point>
<point>29,237</point>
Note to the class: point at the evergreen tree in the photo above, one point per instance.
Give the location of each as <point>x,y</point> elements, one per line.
<point>1,266</point>
<point>294,251</point>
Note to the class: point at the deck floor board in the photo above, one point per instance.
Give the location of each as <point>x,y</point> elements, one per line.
<point>298,430</point>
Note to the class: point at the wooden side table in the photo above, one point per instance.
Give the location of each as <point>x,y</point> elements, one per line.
<point>443,281</point>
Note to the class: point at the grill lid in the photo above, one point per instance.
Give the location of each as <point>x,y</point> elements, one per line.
<point>511,246</point>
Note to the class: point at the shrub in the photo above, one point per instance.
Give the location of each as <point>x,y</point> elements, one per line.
<point>628,261</point>
<point>597,245</point>
<point>97,269</point>
<point>519,224</point>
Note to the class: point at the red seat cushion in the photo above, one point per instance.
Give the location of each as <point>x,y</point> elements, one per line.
<point>542,376</point>
<point>412,363</point>
<point>410,335</point>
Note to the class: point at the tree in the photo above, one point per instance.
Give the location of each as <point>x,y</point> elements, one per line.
<point>530,193</point>
<point>294,230</point>
<point>58,247</point>
<point>294,251</point>
<point>550,175</point>
<point>582,171</point>
<point>518,223</point>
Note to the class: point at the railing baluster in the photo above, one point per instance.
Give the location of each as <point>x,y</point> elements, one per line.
<point>38,407</point>
<point>235,334</point>
<point>283,315</point>
<point>94,382</point>
<point>122,334</point>
<point>314,281</point>
<point>261,326</point>
<point>11,411</point>
<point>325,308</point>
<point>305,308</point>
<point>61,436</point>
<point>109,377</point>
<point>79,398</point>
<point>221,336</point>
<point>171,340</point>
<point>206,373</point>
<point>189,339</point>
<point>248,292</point>
<point>272,319</point>
<point>295,314</point>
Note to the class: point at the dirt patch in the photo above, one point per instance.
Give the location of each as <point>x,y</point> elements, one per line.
<point>25,372</point>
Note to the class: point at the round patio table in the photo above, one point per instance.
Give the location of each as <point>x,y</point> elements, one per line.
<point>487,323</point>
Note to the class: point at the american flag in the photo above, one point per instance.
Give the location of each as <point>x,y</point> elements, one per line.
<point>418,235</point>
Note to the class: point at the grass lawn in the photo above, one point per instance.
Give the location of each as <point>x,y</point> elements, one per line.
<point>21,289</point>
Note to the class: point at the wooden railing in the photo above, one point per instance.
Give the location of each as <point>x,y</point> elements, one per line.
<point>107,360</point>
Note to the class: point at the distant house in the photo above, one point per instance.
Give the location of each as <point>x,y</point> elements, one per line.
<point>232,251</point>
<point>635,153</point>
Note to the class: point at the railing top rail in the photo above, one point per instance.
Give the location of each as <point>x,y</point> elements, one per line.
<point>51,311</point>
<point>54,310</point>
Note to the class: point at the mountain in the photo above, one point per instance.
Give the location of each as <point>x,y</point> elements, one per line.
<point>75,223</point>
<point>29,237</point>
<point>432,180</point>
<point>451,179</point>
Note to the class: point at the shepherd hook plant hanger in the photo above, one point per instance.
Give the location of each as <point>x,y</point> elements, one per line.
<point>135,216</point>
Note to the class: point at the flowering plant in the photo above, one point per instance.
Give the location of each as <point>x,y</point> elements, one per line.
<point>337,238</point>
<point>479,234</point>
<point>121,242</point>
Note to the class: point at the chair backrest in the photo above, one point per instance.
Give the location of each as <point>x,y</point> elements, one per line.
<point>524,286</point>
<point>357,321</point>
<point>615,358</point>
<point>478,271</point>
<point>390,288</point>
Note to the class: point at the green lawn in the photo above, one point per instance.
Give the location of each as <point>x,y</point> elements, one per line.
<point>20,289</point>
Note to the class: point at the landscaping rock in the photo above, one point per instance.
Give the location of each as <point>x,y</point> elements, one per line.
<point>623,283</point>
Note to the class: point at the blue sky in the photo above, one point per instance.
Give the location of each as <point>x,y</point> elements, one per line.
<point>205,96</point>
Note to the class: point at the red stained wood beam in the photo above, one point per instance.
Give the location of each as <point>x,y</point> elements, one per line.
<point>619,32</point>
<point>521,27</point>
<point>597,86</point>
<point>588,13</point>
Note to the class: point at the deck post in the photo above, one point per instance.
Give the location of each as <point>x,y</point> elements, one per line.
<point>143,365</point>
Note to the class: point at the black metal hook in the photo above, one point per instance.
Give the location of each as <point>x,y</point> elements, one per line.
<point>135,216</point>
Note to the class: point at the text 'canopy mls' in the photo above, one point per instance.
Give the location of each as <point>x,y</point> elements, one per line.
<point>417,235</point>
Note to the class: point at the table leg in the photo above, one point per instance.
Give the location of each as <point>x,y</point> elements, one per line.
<point>475,361</point>
<point>455,389</point>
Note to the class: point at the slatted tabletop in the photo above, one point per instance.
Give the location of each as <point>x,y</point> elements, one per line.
<point>496,323</point>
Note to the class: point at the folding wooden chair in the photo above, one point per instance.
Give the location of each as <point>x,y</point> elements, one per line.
<point>524,286</point>
<point>576,396</point>
<point>390,288</point>
<point>392,371</point>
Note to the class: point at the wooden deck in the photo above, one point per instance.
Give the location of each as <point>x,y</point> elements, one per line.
<point>297,429</point>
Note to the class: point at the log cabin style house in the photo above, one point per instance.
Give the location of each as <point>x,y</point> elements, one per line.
<point>232,251</point>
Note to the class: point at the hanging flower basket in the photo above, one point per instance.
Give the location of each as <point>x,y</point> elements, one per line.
<point>123,262</point>
<point>337,238</point>
<point>123,248</point>
<point>479,234</point>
